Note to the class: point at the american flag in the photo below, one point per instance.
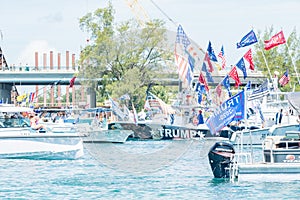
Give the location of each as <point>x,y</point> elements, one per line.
<point>284,79</point>
<point>181,59</point>
<point>222,56</point>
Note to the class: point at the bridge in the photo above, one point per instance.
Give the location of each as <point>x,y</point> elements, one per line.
<point>46,76</point>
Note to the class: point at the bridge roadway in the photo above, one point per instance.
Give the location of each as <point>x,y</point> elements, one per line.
<point>30,76</point>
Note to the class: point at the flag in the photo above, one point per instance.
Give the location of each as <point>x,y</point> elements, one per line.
<point>261,114</point>
<point>232,109</point>
<point>203,81</point>
<point>222,56</point>
<point>285,78</point>
<point>135,116</point>
<point>248,85</point>
<point>226,84</point>
<point>147,105</point>
<point>31,97</point>
<point>249,58</point>
<point>260,92</point>
<point>116,109</point>
<point>72,82</point>
<point>182,38</point>
<point>207,73</point>
<point>234,75</point>
<point>219,90</point>
<point>247,40</point>
<point>274,41</point>
<point>182,66</point>
<point>211,53</point>
<point>241,66</point>
<point>207,59</point>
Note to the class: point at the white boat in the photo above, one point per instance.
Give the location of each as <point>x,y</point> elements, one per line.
<point>281,159</point>
<point>19,140</point>
<point>94,134</point>
<point>257,136</point>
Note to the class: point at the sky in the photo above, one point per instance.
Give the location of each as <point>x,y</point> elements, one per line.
<point>42,26</point>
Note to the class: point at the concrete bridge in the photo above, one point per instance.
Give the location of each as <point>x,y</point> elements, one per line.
<point>46,75</point>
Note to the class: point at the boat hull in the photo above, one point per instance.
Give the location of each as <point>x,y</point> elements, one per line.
<point>26,143</point>
<point>267,171</point>
<point>112,136</point>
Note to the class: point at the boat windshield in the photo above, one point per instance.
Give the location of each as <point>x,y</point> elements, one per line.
<point>14,122</point>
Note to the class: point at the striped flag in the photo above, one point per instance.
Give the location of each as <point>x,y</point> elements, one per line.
<point>285,78</point>
<point>222,56</point>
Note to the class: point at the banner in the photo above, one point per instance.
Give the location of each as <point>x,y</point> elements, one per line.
<point>231,110</point>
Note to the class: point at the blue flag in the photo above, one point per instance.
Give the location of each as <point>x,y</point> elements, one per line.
<point>226,84</point>
<point>247,40</point>
<point>230,110</point>
<point>207,73</point>
<point>242,67</point>
<point>211,53</point>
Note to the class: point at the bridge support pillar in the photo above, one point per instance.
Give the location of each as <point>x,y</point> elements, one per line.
<point>5,92</point>
<point>91,97</point>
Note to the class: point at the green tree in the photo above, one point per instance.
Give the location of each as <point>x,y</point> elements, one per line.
<point>279,58</point>
<point>122,58</point>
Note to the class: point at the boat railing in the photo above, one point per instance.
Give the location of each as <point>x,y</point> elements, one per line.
<point>238,158</point>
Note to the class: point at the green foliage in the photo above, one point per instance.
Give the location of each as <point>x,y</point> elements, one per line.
<point>122,58</point>
<point>279,58</point>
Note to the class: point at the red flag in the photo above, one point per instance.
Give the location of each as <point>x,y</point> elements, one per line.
<point>275,41</point>
<point>72,81</point>
<point>249,58</point>
<point>234,75</point>
<point>219,90</point>
<point>203,81</point>
<point>207,59</point>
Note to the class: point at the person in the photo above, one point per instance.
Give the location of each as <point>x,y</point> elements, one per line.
<point>278,117</point>
<point>298,120</point>
<point>172,118</point>
<point>34,122</point>
<point>200,118</point>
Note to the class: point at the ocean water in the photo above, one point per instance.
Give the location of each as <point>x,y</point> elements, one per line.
<point>133,170</point>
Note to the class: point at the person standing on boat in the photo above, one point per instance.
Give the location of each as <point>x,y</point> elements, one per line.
<point>200,118</point>
<point>278,118</point>
<point>298,120</point>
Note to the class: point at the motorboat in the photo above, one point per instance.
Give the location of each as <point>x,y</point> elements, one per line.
<point>256,136</point>
<point>19,140</point>
<point>281,158</point>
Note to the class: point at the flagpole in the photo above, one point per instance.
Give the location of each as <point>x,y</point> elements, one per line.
<point>293,63</point>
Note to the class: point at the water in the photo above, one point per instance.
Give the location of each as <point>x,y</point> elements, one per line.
<point>134,170</point>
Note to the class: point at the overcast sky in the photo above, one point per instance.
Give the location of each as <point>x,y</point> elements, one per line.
<point>40,26</point>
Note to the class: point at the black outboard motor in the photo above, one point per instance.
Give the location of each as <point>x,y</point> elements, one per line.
<point>220,156</point>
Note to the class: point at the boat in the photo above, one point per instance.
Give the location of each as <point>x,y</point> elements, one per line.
<point>100,132</point>
<point>19,140</point>
<point>94,134</point>
<point>161,131</point>
<point>281,158</point>
<point>257,136</point>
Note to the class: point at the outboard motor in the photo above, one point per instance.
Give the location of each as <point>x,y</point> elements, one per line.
<point>220,156</point>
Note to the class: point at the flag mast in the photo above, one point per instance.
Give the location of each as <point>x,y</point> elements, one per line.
<point>293,63</point>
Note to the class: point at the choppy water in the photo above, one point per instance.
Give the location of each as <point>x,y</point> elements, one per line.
<point>134,170</point>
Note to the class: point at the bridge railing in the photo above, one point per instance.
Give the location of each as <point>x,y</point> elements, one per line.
<point>38,69</point>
